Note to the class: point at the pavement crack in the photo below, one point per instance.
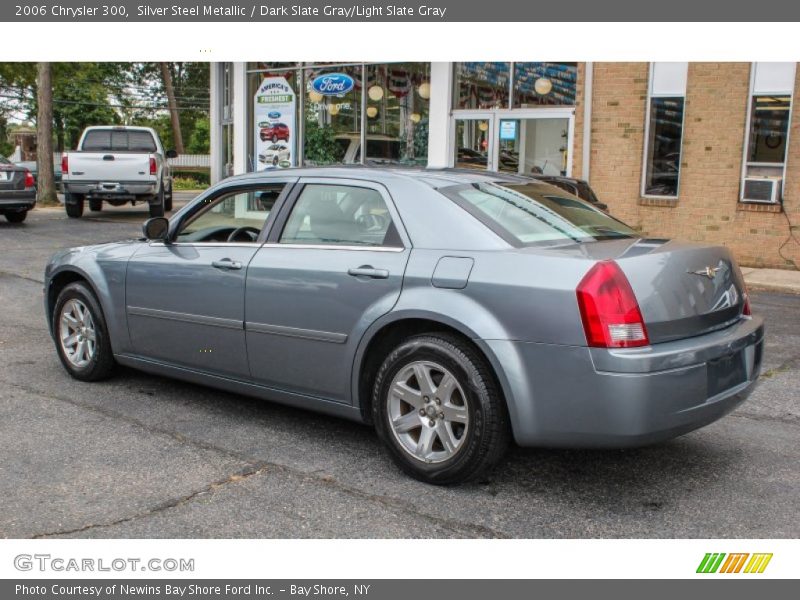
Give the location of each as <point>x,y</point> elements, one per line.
<point>18,276</point>
<point>784,367</point>
<point>453,525</point>
<point>250,471</point>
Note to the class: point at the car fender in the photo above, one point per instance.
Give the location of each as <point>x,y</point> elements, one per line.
<point>453,310</point>
<point>105,277</point>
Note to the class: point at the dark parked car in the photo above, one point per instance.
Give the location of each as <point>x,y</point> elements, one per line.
<point>452,310</point>
<point>576,187</point>
<point>17,191</point>
<point>274,132</point>
<point>33,167</point>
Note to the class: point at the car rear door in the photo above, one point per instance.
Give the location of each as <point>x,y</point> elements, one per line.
<point>185,300</point>
<point>333,264</point>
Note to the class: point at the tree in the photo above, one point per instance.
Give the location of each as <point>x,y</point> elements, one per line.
<point>175,117</point>
<point>46,186</point>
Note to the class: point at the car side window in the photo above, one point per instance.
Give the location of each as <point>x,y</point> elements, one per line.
<point>231,217</point>
<point>340,215</point>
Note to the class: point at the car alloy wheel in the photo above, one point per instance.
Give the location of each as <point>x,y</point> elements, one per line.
<point>428,411</point>
<point>77,333</point>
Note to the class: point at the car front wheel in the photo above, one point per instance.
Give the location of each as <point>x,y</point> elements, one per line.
<point>439,411</point>
<point>16,217</point>
<point>81,335</point>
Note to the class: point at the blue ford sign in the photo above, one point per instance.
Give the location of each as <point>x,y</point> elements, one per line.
<point>333,84</point>
<point>274,115</point>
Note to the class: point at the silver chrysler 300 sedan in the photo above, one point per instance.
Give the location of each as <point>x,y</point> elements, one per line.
<point>452,310</point>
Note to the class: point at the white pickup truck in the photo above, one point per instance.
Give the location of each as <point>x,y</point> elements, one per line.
<point>117,165</point>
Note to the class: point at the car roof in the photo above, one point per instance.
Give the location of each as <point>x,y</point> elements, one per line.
<point>432,177</point>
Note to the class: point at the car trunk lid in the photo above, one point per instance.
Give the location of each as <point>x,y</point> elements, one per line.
<point>683,289</point>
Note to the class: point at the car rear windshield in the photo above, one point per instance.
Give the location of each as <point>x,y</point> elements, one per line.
<point>119,140</point>
<point>527,214</point>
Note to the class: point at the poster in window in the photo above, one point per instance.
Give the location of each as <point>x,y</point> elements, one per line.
<point>274,117</point>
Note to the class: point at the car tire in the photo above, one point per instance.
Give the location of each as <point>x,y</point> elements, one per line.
<point>274,139</point>
<point>157,204</point>
<point>16,217</point>
<point>73,203</point>
<point>95,205</point>
<point>471,431</point>
<point>275,162</point>
<point>97,361</point>
<point>168,201</point>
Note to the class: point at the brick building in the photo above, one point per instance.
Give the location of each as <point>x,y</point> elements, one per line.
<point>700,151</point>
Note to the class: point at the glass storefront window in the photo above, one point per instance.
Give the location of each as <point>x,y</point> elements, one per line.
<point>542,83</point>
<point>398,99</point>
<point>332,121</point>
<point>472,144</point>
<point>481,85</point>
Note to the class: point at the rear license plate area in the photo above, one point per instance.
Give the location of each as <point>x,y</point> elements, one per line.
<point>726,372</point>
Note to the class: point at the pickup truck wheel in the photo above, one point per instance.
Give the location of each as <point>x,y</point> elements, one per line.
<point>168,201</point>
<point>16,217</point>
<point>439,411</point>
<point>73,203</point>
<point>157,204</point>
<point>95,205</point>
<point>81,335</point>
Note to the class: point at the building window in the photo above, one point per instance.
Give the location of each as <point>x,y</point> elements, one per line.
<point>544,84</point>
<point>481,84</point>
<point>766,138</point>
<point>666,102</point>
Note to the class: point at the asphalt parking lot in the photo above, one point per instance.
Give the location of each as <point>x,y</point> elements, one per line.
<point>141,456</point>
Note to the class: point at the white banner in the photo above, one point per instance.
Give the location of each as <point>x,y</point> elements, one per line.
<point>379,559</point>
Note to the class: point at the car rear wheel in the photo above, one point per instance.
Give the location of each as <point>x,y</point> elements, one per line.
<point>73,203</point>
<point>16,217</point>
<point>80,333</point>
<point>439,411</point>
<point>95,205</point>
<point>168,201</point>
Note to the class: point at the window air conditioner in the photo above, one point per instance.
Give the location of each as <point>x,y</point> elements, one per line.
<point>765,190</point>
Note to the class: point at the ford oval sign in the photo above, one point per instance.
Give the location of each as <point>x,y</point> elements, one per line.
<point>274,115</point>
<point>333,84</point>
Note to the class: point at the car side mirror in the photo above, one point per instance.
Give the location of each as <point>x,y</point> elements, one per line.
<point>156,229</point>
<point>171,154</point>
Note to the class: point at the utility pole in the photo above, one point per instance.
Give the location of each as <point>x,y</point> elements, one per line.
<point>175,118</point>
<point>46,186</point>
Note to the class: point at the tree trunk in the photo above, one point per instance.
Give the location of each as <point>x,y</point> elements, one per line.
<point>46,187</point>
<point>174,115</point>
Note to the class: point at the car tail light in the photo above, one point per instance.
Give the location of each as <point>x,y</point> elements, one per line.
<point>152,166</point>
<point>64,164</point>
<point>746,308</point>
<point>609,310</point>
<point>29,181</point>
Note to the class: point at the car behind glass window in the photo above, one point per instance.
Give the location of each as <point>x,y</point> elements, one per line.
<point>532,213</point>
<point>340,215</point>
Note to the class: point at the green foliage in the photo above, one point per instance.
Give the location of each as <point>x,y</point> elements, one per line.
<point>190,183</point>
<point>200,140</point>
<point>102,93</point>
<point>321,147</point>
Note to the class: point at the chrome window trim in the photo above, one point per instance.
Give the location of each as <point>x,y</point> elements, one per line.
<point>209,244</point>
<point>335,247</point>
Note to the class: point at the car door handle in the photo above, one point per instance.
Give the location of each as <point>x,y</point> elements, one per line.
<point>227,264</point>
<point>368,271</point>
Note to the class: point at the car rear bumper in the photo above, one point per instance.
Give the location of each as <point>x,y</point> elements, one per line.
<point>17,200</point>
<point>112,190</point>
<point>568,396</point>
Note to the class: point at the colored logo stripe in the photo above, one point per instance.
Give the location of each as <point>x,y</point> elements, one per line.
<point>733,564</point>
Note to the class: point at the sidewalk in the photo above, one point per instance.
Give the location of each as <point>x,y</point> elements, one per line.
<point>773,280</point>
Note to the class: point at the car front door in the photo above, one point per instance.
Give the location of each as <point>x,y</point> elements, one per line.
<point>333,263</point>
<point>185,298</point>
